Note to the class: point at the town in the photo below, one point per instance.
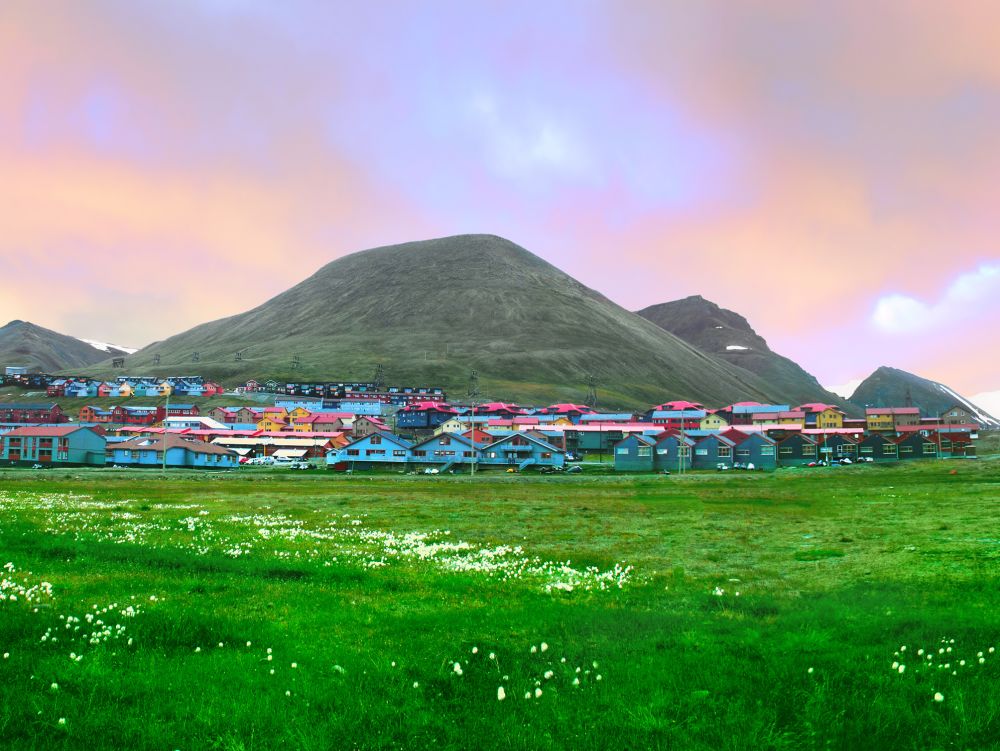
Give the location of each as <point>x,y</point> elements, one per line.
<point>370,426</point>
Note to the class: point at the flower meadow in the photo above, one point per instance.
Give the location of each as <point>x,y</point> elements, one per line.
<point>183,613</point>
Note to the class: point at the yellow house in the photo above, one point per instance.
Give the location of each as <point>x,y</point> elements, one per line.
<point>452,425</point>
<point>272,423</point>
<point>124,390</point>
<point>166,389</point>
<point>713,422</point>
<point>830,418</point>
<point>296,413</point>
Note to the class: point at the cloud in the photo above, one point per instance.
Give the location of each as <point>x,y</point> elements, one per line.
<point>902,314</point>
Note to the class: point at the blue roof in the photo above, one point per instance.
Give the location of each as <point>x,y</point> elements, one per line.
<point>668,413</point>
<point>760,408</point>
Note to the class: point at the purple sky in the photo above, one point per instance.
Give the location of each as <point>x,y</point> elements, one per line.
<point>831,171</point>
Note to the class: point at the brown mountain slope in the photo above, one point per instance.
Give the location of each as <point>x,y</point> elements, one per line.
<point>728,336</point>
<point>40,349</point>
<point>433,311</point>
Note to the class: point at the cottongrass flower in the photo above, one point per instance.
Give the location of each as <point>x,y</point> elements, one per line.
<point>62,720</point>
<point>457,668</point>
<point>548,675</point>
<point>295,665</point>
<point>501,694</point>
<point>197,649</point>
<point>810,671</point>
<point>576,681</point>
<point>493,655</point>
<point>538,692</point>
<point>6,655</point>
<point>288,693</point>
<point>248,644</point>
<point>527,694</point>
<point>545,647</point>
<point>534,649</point>
<point>221,645</point>
<point>895,665</point>
<point>54,687</point>
<point>416,684</point>
<point>269,650</point>
<point>475,650</point>
<point>938,696</point>
<point>902,669</point>
<point>598,677</point>
<point>270,657</point>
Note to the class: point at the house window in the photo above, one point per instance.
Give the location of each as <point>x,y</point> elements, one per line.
<point>376,440</point>
<point>930,448</point>
<point>767,450</point>
<point>352,452</point>
<point>621,450</point>
<point>725,452</point>
<point>420,452</point>
<point>546,454</point>
<point>808,451</point>
<point>867,450</point>
<point>701,452</point>
<point>889,449</point>
<point>906,449</point>
<point>743,453</point>
<point>398,452</point>
<point>645,451</point>
<point>445,441</point>
<point>785,451</point>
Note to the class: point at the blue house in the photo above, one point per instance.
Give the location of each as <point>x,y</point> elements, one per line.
<point>755,448</point>
<point>447,449</point>
<point>673,452</point>
<point>53,444</point>
<point>878,447</point>
<point>522,451</point>
<point>376,449</point>
<point>148,452</point>
<point>423,415</point>
<point>635,453</point>
<point>712,451</point>
<point>796,450</point>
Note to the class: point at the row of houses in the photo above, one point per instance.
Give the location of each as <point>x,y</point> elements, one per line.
<point>85,445</point>
<point>674,450</point>
<point>84,388</point>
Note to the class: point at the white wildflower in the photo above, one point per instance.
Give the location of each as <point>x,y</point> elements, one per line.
<point>501,694</point>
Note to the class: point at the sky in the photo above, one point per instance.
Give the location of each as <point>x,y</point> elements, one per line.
<point>829,170</point>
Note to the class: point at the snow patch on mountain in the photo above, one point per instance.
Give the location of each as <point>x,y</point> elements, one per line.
<point>987,421</point>
<point>109,348</point>
<point>736,348</point>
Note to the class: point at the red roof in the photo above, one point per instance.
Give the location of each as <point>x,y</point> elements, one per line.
<point>678,405</point>
<point>559,409</point>
<point>428,407</point>
<point>892,411</point>
<point>812,407</point>
<point>44,432</point>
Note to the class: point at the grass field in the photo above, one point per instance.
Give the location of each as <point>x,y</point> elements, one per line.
<point>852,608</point>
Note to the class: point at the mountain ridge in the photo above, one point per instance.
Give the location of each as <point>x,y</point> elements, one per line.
<point>432,311</point>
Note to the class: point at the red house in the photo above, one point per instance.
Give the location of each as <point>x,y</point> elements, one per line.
<point>32,413</point>
<point>210,388</point>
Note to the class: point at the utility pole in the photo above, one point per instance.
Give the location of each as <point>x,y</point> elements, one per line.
<point>163,435</point>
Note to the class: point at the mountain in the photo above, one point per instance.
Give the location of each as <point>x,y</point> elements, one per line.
<point>23,343</point>
<point>433,311</point>
<point>890,387</point>
<point>728,336</point>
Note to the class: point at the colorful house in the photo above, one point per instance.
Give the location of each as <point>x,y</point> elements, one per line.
<point>713,421</point>
<point>673,452</point>
<point>754,448</point>
<point>370,451</point>
<point>181,452</point>
<point>917,446</point>
<point>423,415</point>
<point>635,453</point>
<point>890,418</point>
<point>522,450</point>
<point>713,451</point>
<point>32,412</point>
<point>877,447</point>
<point>819,415</point>
<point>444,448</point>
<point>796,450</point>
<point>62,444</point>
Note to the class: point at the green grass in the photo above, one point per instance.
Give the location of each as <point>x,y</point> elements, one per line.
<point>836,570</point>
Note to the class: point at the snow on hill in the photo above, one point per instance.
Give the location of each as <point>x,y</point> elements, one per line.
<point>111,349</point>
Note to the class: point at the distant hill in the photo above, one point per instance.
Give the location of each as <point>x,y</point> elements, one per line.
<point>431,312</point>
<point>728,336</point>
<point>889,387</point>
<point>40,349</point>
